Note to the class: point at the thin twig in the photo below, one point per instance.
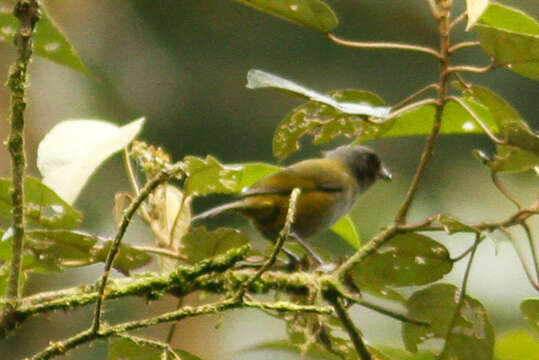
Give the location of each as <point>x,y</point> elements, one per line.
<point>160,251</point>
<point>461,297</point>
<point>349,326</point>
<point>415,95</point>
<point>477,119</point>
<point>531,244</point>
<point>503,190</point>
<point>472,69</point>
<point>163,176</point>
<point>61,347</point>
<point>283,236</point>
<point>28,14</point>
<point>463,45</point>
<point>463,255</point>
<point>172,330</point>
<point>380,309</point>
<point>463,15</point>
<point>435,131</point>
<point>130,172</point>
<point>384,45</point>
<point>521,256</point>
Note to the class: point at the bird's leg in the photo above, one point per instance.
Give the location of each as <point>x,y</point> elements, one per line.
<point>309,250</point>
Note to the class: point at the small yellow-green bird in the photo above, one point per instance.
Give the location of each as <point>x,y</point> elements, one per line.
<point>329,188</point>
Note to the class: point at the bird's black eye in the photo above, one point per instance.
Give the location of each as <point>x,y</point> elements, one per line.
<point>372,161</point>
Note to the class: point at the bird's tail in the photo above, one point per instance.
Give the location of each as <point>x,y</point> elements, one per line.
<point>218,210</point>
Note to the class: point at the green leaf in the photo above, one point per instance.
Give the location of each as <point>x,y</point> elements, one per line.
<point>517,345</point>
<point>508,18</point>
<point>512,38</point>
<point>55,250</point>
<point>74,149</point>
<point>325,123</point>
<point>123,348</point>
<point>455,120</point>
<point>346,229</point>
<point>43,206</point>
<point>472,336</point>
<point>522,151</point>
<point>311,13</point>
<point>514,159</point>
<point>49,41</point>
<point>252,172</point>
<point>258,79</point>
<point>474,9</point>
<point>127,259</point>
<point>202,244</point>
<point>511,125</point>
<point>207,176</point>
<point>530,309</point>
<point>408,259</point>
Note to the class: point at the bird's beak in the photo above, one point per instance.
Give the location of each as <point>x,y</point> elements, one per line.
<point>384,173</point>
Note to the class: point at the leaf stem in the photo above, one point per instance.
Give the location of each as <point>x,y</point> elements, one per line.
<point>463,45</point>
<point>461,297</point>
<point>531,244</point>
<point>477,119</point>
<point>472,69</point>
<point>384,45</point>
<point>428,151</point>
<point>504,191</point>
<point>462,16</point>
<point>28,14</point>
<point>415,95</point>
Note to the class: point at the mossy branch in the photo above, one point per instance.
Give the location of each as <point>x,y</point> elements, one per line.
<point>27,11</point>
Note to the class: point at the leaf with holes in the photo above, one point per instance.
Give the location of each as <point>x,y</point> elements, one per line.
<point>472,335</point>
<point>208,176</point>
<point>55,250</point>
<point>49,41</point>
<point>405,260</point>
<point>522,149</point>
<point>312,13</point>
<point>43,206</point>
<point>325,123</point>
<point>202,243</point>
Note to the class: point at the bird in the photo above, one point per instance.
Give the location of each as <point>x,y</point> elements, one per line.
<point>329,186</point>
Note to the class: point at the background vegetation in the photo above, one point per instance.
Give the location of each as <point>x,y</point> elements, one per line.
<point>183,65</point>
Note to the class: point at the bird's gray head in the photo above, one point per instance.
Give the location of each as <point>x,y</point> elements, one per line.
<point>362,162</point>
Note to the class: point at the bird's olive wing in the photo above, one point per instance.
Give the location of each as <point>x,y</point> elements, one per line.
<point>308,175</point>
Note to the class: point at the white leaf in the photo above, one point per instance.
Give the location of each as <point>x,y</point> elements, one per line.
<point>73,149</point>
<point>474,10</point>
<point>257,79</point>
